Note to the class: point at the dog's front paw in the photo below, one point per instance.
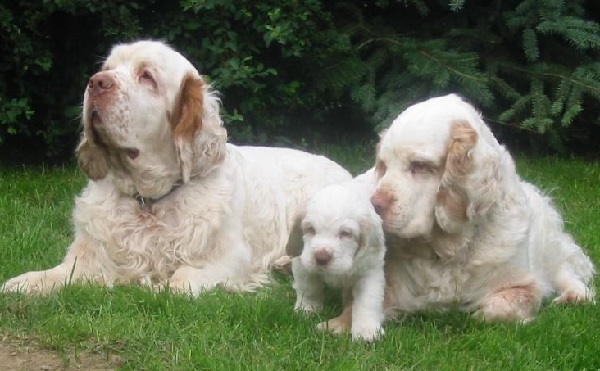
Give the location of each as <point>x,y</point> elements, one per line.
<point>32,283</point>
<point>183,286</point>
<point>338,325</point>
<point>305,306</point>
<point>283,264</point>
<point>366,332</point>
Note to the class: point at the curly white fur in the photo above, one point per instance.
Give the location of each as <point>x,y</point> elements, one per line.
<point>462,227</point>
<point>342,245</point>
<point>210,213</point>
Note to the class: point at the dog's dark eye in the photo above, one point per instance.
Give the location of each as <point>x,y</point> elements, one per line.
<point>308,230</point>
<point>145,77</point>
<point>345,233</point>
<point>380,169</point>
<point>420,167</point>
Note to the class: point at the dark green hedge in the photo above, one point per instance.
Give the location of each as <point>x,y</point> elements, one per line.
<point>305,69</point>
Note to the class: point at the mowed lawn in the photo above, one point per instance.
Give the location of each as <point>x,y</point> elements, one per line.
<point>132,329</point>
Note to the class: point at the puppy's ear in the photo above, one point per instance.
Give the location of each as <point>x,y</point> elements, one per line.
<point>371,232</point>
<point>92,159</point>
<point>295,243</point>
<point>197,128</point>
<point>472,177</point>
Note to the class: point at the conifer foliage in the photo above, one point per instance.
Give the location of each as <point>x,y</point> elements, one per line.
<point>531,66</point>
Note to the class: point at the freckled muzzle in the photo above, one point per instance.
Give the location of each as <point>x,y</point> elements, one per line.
<point>103,120</point>
<point>101,83</point>
<point>382,201</point>
<point>98,97</point>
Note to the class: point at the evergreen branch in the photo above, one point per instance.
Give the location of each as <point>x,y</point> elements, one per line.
<point>456,5</point>
<point>530,45</point>
<point>452,69</point>
<point>582,34</point>
<point>556,75</point>
<point>381,39</point>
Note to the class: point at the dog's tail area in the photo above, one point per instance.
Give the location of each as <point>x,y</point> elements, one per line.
<point>566,269</point>
<point>574,279</point>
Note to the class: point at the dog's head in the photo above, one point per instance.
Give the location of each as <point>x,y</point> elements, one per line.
<point>438,168</point>
<point>149,119</point>
<point>338,225</point>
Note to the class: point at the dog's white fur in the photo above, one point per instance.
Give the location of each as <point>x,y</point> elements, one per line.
<point>339,242</point>
<point>462,227</point>
<point>169,203</point>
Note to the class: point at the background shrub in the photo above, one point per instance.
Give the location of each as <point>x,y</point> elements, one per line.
<point>308,71</point>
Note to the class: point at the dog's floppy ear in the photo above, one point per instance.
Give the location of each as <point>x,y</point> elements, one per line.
<point>91,158</point>
<point>452,200</point>
<point>473,176</point>
<point>295,243</point>
<point>379,166</point>
<point>197,128</point>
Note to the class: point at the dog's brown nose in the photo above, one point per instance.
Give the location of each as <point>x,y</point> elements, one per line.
<point>381,201</point>
<point>322,257</point>
<point>100,83</point>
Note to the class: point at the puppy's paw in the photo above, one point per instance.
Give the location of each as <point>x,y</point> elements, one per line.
<point>367,332</point>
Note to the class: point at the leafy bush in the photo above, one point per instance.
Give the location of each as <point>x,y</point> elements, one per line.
<point>47,54</point>
<point>289,69</point>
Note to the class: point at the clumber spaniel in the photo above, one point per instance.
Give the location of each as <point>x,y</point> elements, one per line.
<point>462,227</point>
<point>338,240</point>
<point>168,201</point>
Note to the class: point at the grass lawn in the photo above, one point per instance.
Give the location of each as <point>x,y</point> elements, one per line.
<point>130,328</point>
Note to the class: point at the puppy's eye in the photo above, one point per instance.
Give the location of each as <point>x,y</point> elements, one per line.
<point>420,167</point>
<point>308,230</point>
<point>345,233</point>
<point>146,78</point>
<point>380,169</point>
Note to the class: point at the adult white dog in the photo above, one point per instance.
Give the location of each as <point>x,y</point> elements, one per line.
<point>168,201</point>
<point>462,227</point>
<point>338,240</point>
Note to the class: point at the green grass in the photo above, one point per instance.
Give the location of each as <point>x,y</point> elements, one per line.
<point>220,330</point>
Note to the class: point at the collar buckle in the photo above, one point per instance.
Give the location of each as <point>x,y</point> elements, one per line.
<point>147,202</point>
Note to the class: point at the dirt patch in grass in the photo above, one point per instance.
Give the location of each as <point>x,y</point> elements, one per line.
<point>25,357</point>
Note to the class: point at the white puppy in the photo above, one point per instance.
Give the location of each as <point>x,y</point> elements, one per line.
<point>339,241</point>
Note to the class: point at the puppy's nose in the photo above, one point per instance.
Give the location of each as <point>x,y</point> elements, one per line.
<point>101,83</point>
<point>322,257</point>
<point>381,201</point>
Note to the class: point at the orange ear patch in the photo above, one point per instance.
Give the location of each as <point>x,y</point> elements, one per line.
<point>92,159</point>
<point>380,167</point>
<point>186,120</point>
<point>295,242</point>
<point>454,204</point>
<point>451,198</point>
<point>462,138</point>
